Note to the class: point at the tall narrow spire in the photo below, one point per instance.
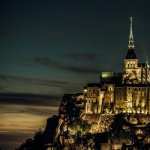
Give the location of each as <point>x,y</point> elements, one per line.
<point>131,39</point>
<point>131,53</point>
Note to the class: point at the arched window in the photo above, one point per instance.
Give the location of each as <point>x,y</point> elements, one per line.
<point>128,65</point>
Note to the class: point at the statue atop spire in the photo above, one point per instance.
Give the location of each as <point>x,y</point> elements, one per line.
<point>131,39</point>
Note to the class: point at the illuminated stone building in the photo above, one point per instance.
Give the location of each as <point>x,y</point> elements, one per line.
<point>127,92</point>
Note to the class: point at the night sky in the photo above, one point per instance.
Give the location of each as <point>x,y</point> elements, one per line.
<point>52,47</point>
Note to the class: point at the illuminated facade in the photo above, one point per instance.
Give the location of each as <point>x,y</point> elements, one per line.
<point>114,113</point>
<point>127,92</point>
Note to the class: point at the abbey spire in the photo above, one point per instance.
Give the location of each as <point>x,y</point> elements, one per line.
<point>131,39</point>
<point>131,47</point>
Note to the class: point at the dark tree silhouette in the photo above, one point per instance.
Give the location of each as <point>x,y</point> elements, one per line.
<point>117,124</point>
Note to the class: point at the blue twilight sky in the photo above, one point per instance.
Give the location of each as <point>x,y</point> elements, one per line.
<point>52,47</point>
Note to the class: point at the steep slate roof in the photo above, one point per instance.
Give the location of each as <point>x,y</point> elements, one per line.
<point>131,54</point>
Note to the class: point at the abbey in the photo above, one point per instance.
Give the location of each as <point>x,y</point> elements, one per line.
<point>125,92</point>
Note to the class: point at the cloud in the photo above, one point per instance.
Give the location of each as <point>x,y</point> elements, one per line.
<point>37,81</point>
<point>36,86</point>
<point>79,69</point>
<point>30,99</point>
<point>33,109</point>
<point>24,118</point>
<point>2,88</point>
<point>21,84</point>
<point>84,56</point>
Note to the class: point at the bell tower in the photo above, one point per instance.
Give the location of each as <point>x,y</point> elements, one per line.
<point>130,66</point>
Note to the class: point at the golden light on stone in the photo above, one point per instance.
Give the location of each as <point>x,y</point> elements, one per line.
<point>126,92</point>
<point>85,90</point>
<point>120,100</point>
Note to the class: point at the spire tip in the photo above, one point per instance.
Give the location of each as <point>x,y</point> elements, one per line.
<point>131,39</point>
